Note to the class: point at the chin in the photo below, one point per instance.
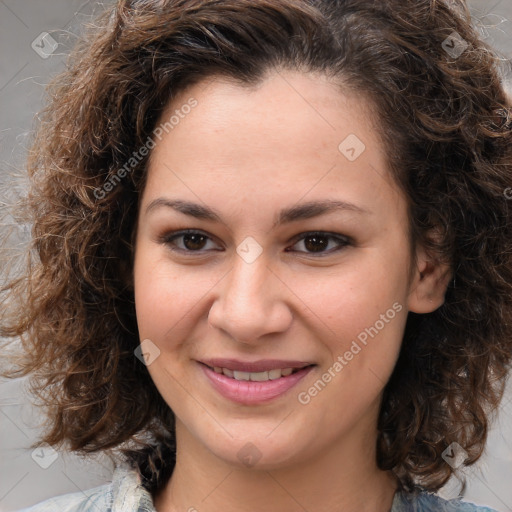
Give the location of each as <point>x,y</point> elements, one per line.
<point>258,452</point>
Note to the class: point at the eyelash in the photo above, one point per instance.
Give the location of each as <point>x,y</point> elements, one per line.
<point>343,241</point>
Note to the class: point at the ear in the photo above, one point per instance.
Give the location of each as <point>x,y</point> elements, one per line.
<point>429,282</point>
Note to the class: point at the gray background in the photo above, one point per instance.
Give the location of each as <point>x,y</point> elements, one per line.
<point>23,74</point>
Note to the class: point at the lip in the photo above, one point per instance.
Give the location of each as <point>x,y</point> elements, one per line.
<point>257,366</point>
<point>247,392</point>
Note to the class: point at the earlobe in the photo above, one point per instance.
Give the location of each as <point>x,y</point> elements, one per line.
<point>429,283</point>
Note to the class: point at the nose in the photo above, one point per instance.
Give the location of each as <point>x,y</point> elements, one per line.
<point>251,303</point>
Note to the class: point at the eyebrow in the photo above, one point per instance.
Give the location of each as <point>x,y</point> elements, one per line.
<point>287,215</point>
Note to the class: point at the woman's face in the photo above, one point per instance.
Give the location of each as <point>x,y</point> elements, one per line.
<point>297,257</point>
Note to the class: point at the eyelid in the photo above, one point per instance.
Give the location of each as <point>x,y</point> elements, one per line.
<point>167,238</point>
<point>326,234</point>
<point>343,241</point>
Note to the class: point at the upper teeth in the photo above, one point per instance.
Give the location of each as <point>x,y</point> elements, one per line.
<point>255,376</point>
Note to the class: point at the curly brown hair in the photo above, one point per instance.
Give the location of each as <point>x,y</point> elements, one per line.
<point>446,124</point>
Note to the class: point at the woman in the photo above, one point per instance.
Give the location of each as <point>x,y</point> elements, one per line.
<point>272,255</point>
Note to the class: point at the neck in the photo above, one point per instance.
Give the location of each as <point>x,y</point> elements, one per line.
<point>344,478</point>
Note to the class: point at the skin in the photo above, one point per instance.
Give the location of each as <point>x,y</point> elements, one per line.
<point>247,153</point>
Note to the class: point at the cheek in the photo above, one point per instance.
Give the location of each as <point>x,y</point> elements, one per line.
<point>359,319</point>
<point>352,298</point>
<point>358,314</point>
<point>168,297</point>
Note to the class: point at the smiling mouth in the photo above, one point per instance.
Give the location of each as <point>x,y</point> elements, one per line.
<point>254,387</point>
<point>263,376</point>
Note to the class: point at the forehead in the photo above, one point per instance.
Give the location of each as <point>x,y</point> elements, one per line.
<point>291,135</point>
<point>290,104</point>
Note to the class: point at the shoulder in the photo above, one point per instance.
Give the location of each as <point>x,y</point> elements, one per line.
<point>427,502</point>
<point>124,494</point>
<point>99,498</point>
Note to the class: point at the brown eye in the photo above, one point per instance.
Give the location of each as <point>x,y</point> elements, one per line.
<point>315,243</point>
<point>320,243</point>
<point>194,242</point>
<point>189,242</point>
